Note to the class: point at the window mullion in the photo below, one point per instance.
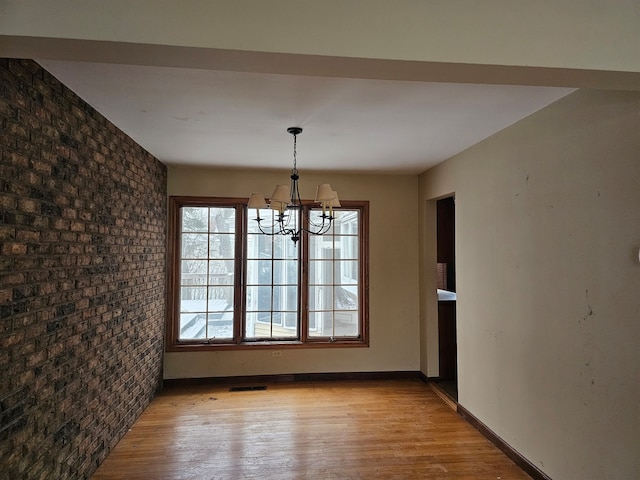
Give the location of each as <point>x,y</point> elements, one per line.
<point>206,290</point>
<point>239,310</point>
<point>333,283</point>
<point>272,288</point>
<point>303,280</point>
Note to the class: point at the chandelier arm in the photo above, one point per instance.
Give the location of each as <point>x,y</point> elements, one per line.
<point>262,230</point>
<point>325,219</point>
<point>276,228</point>
<point>322,229</point>
<point>280,231</point>
<point>280,226</point>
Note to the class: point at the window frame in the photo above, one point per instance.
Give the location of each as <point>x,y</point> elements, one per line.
<point>243,217</point>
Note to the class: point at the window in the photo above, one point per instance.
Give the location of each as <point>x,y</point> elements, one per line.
<point>231,286</point>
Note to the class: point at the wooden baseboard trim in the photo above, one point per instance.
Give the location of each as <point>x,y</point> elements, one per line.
<point>507,449</point>
<point>443,396</point>
<point>433,384</point>
<point>291,377</point>
<point>426,379</point>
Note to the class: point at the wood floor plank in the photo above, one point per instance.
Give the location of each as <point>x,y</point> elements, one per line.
<point>392,429</point>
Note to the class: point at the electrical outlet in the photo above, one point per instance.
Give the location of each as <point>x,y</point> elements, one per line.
<point>277,353</point>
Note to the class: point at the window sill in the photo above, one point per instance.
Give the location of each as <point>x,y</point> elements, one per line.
<point>267,345</point>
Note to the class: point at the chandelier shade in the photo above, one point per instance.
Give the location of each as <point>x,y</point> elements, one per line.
<point>257,201</point>
<point>282,194</point>
<point>324,193</point>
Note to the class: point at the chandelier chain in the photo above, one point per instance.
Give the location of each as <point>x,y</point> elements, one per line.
<point>295,153</point>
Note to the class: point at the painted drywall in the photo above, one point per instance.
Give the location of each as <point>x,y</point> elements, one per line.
<point>548,277</point>
<point>580,34</point>
<point>393,276</point>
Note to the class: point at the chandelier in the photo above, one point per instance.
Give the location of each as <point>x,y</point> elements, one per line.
<point>287,217</point>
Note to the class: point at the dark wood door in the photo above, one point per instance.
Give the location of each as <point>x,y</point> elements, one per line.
<point>448,351</point>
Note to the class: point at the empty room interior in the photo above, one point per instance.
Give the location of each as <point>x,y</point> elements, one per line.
<point>454,262</point>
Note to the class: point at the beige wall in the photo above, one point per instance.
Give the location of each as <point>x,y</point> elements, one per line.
<point>393,299</point>
<point>548,276</point>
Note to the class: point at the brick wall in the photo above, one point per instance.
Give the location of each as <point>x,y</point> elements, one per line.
<point>82,278</point>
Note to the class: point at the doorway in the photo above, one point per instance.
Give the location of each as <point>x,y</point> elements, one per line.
<point>446,269</point>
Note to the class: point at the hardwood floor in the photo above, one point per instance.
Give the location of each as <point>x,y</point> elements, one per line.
<point>395,429</point>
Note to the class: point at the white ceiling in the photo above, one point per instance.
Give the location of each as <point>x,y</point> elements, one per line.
<point>216,118</point>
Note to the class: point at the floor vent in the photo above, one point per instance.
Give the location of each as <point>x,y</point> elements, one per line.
<point>250,388</point>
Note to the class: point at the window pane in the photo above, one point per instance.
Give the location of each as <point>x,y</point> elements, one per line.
<point>192,326</point>
<point>291,321</point>
<point>321,246</point>
<point>346,298</point>
<point>285,272</point>
<point>285,298</point>
<point>320,272</point>
<point>220,298</point>
<point>272,283</point>
<point>346,272</point>
<point>259,298</point>
<point>276,318</point>
<point>194,245</point>
<point>320,324</point>
<point>221,246</point>
<point>261,330</point>
<point>259,272</point>
<point>346,222</point>
<point>259,246</point>
<point>207,271</point>
<point>194,272</point>
<point>192,319</point>
<point>221,272</point>
<point>193,299</point>
<point>346,247</point>
<point>283,247</point>
<point>320,298</point>
<point>222,220</point>
<point>285,332</point>
<point>276,324</point>
<point>277,300</point>
<point>250,322</point>
<point>194,219</point>
<point>346,324</point>
<point>312,323</point>
<point>334,324</point>
<point>266,215</point>
<point>220,326</point>
<point>334,276</point>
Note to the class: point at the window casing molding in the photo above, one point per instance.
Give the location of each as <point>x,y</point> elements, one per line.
<point>308,335</point>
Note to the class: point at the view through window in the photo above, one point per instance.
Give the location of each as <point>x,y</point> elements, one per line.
<point>233,285</point>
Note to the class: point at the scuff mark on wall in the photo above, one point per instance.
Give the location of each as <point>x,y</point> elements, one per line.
<point>589,308</point>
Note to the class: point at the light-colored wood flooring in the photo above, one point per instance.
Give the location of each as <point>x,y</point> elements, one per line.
<point>391,429</point>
